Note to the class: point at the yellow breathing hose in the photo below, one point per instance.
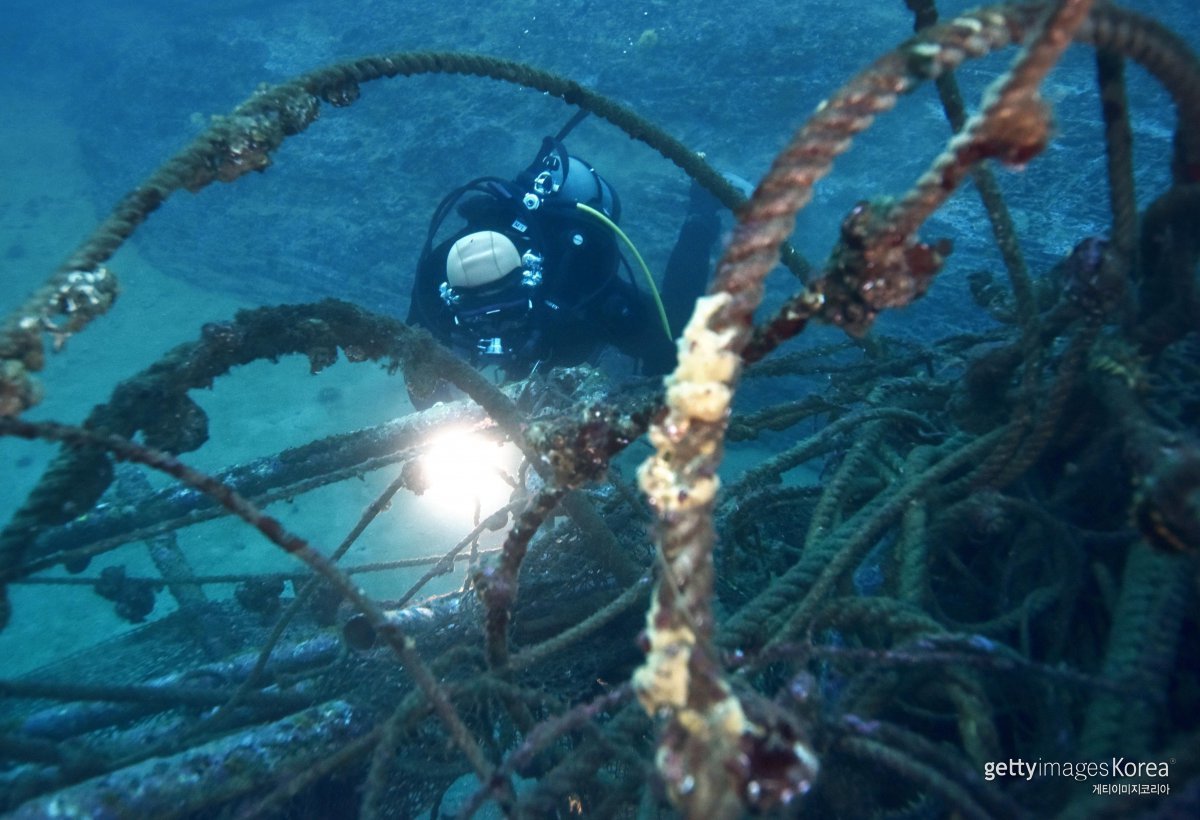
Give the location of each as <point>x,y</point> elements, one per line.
<point>662,311</point>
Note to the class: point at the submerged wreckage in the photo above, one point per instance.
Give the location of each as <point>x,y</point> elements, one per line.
<point>994,559</point>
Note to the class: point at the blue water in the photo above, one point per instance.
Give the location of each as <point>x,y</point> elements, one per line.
<point>97,95</point>
<point>342,210</point>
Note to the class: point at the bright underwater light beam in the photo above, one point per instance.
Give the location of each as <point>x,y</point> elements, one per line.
<point>462,468</point>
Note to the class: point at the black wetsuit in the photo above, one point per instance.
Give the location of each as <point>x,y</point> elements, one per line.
<point>584,300</point>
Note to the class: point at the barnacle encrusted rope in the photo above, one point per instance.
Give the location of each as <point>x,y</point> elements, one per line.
<point>1108,28</point>
<point>391,633</point>
<point>243,141</point>
<point>83,288</point>
<point>155,403</point>
<point>709,748</point>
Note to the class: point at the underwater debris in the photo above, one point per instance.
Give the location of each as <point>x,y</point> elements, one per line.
<point>943,587</point>
<point>134,599</point>
<point>241,765</point>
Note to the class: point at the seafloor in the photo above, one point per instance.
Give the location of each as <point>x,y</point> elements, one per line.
<point>968,537</point>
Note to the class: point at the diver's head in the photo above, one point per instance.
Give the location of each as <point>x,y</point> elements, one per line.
<point>480,259</point>
<point>489,290</point>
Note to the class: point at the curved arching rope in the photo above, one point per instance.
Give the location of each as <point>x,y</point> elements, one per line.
<point>710,730</point>
<point>389,632</point>
<point>1108,29</point>
<point>243,141</point>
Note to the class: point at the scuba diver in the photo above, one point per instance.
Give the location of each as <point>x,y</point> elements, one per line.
<point>537,278</point>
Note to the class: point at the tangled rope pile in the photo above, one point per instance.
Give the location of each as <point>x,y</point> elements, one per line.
<point>943,549</point>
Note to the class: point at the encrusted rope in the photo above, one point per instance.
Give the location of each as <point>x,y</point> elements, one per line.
<point>709,739</point>
<point>243,141</point>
